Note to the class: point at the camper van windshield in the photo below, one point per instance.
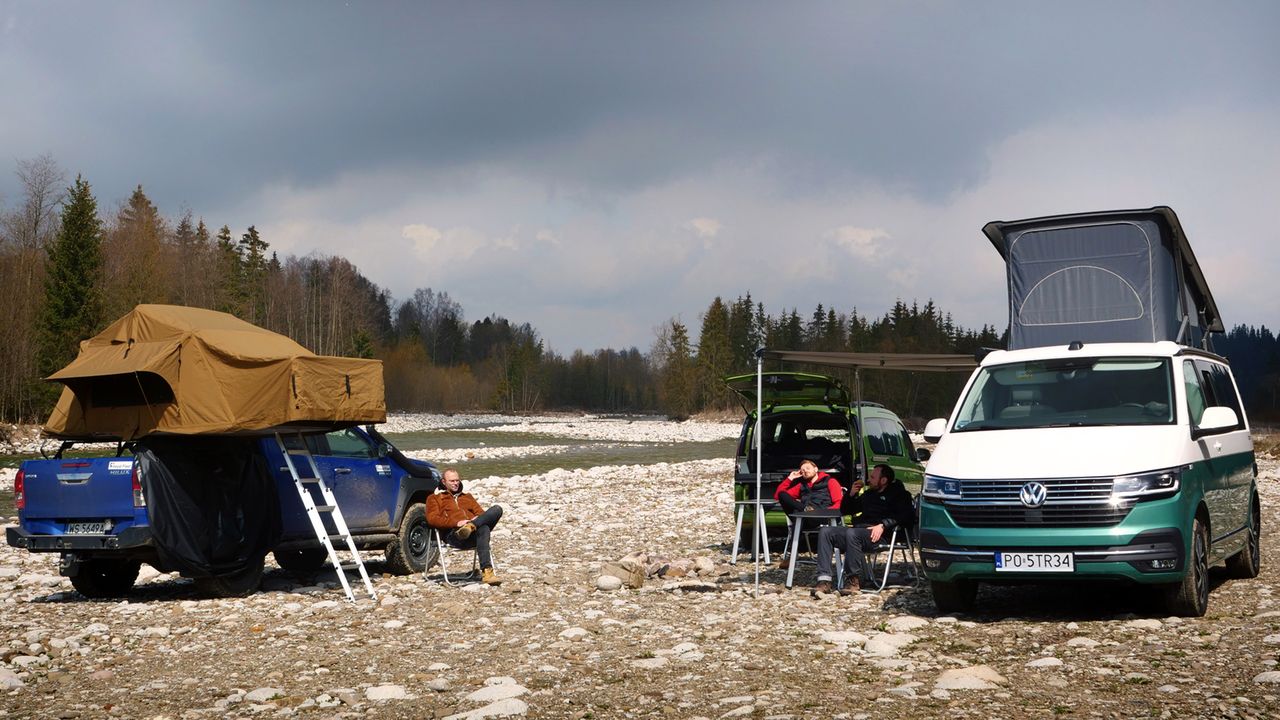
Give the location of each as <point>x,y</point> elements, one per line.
<point>1069,392</point>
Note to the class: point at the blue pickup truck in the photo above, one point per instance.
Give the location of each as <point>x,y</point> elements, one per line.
<point>108,515</point>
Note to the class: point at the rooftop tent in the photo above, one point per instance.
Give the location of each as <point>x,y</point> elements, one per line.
<point>1118,276</point>
<point>165,369</point>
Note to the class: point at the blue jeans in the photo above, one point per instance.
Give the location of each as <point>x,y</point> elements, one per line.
<point>479,539</point>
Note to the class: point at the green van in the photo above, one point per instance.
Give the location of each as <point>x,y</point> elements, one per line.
<point>1128,462</point>
<point>813,416</point>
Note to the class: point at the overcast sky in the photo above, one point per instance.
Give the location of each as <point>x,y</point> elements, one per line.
<point>597,168</point>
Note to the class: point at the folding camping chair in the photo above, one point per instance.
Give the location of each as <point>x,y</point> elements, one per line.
<point>902,541</point>
<point>442,550</point>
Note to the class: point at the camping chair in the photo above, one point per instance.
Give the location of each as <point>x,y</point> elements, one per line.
<point>442,551</point>
<point>817,518</point>
<point>902,541</point>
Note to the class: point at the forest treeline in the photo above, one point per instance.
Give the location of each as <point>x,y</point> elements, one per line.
<point>67,269</point>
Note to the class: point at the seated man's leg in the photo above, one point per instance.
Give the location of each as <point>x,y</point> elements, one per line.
<point>790,504</point>
<point>489,518</point>
<point>481,539</point>
<point>829,539</point>
<point>855,560</point>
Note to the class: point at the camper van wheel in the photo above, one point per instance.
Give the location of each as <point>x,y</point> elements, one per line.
<point>235,584</point>
<point>301,562</point>
<point>954,596</point>
<point>1190,598</point>
<point>1248,562</point>
<point>100,578</point>
<point>408,553</point>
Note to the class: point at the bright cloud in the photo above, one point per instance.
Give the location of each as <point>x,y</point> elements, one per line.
<point>704,227</point>
<point>862,243</point>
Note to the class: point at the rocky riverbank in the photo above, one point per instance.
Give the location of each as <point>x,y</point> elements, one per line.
<point>549,642</point>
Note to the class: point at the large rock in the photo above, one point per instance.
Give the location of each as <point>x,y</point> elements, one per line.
<point>976,677</point>
<point>630,573</point>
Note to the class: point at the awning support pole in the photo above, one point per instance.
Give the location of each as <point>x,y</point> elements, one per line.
<point>759,516</point>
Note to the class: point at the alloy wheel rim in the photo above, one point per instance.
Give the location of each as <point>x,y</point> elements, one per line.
<point>1201,569</point>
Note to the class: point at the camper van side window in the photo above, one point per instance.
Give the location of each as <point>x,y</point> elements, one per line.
<point>1217,383</point>
<point>1195,395</point>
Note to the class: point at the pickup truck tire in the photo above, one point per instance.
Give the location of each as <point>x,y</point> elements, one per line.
<point>301,562</point>
<point>237,584</point>
<point>102,578</point>
<point>408,553</point>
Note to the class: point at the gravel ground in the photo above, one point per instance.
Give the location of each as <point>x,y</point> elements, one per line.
<point>548,643</point>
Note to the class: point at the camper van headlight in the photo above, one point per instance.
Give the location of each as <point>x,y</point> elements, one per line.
<point>1160,483</point>
<point>940,488</point>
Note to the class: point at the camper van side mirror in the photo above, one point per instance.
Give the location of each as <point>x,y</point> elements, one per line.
<point>923,454</point>
<point>934,429</point>
<point>1214,419</point>
<point>384,449</point>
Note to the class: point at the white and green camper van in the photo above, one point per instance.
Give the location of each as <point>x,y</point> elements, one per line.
<point>1109,441</point>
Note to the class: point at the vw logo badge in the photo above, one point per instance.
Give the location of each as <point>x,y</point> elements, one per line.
<point>1033,494</point>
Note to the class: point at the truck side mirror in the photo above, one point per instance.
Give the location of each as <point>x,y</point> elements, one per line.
<point>923,454</point>
<point>384,449</point>
<point>934,429</point>
<point>1214,419</point>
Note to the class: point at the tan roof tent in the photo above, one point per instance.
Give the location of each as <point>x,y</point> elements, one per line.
<point>166,369</point>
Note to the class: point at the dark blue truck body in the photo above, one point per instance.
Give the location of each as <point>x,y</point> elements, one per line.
<point>92,510</point>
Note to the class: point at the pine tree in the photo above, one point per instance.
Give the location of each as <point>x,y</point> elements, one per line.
<point>230,296</point>
<point>134,256</point>
<point>677,370</point>
<point>72,309</point>
<point>253,275</point>
<point>715,356</point>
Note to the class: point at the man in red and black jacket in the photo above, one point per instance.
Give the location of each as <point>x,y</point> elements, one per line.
<point>806,490</point>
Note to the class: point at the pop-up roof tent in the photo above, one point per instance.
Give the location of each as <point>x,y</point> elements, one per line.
<point>1118,276</point>
<point>165,369</point>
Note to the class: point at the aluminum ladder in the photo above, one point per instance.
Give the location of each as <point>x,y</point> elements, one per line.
<point>328,505</point>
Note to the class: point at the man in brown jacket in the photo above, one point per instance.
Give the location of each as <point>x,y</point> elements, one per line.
<point>468,525</point>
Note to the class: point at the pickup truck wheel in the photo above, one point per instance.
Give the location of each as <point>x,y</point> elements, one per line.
<point>1248,562</point>
<point>954,596</point>
<point>236,584</point>
<point>301,562</point>
<point>412,551</point>
<point>1190,598</point>
<point>100,578</point>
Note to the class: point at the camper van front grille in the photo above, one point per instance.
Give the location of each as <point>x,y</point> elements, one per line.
<point>1069,502</point>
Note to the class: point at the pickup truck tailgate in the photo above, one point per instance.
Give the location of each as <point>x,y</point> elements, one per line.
<point>82,488</point>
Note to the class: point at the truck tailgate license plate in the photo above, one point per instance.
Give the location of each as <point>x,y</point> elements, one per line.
<point>1035,562</point>
<point>86,528</point>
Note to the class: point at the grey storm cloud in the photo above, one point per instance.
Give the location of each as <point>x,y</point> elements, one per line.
<point>617,112</point>
<point>204,101</point>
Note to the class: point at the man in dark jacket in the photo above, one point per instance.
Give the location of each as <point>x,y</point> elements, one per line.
<point>466,523</point>
<point>806,490</point>
<point>877,508</point>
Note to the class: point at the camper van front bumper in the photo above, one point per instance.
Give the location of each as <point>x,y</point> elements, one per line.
<point>1151,556</point>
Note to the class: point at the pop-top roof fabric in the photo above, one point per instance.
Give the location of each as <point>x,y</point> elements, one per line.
<point>187,371</point>
<point>1120,276</point>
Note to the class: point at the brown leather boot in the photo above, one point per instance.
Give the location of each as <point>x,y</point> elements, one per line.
<point>851,587</point>
<point>822,588</point>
